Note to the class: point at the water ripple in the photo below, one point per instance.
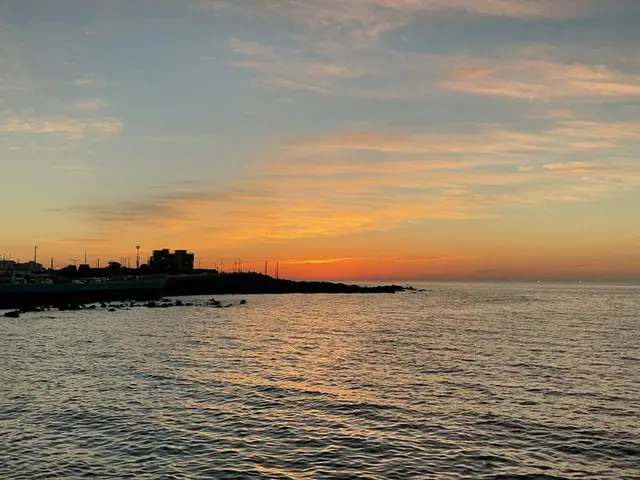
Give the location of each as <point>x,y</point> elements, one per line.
<point>465,381</point>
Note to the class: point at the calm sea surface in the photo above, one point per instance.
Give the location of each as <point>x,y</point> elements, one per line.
<point>463,381</point>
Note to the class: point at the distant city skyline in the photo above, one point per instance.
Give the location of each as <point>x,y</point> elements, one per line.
<point>351,139</point>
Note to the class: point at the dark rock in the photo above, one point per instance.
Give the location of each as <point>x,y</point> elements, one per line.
<point>103,305</point>
<point>151,305</point>
<point>13,314</point>
<point>179,303</point>
<point>188,304</point>
<point>243,302</point>
<point>244,283</point>
<point>112,309</point>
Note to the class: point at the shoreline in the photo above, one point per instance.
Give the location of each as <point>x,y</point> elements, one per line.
<point>56,295</point>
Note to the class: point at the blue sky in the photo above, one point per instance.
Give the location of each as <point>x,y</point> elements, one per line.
<point>327,132</point>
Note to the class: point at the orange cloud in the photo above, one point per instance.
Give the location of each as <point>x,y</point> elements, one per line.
<point>440,149</point>
<point>534,79</point>
<point>313,190</point>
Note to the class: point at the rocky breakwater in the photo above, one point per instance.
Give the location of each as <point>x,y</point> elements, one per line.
<point>73,296</point>
<point>127,305</point>
<point>257,283</point>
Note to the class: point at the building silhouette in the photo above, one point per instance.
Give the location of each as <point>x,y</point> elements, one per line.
<point>179,261</point>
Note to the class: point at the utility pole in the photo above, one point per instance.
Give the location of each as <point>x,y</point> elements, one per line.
<point>35,254</point>
<point>85,257</point>
<point>137,257</point>
<point>98,262</point>
<point>52,264</point>
<point>277,271</point>
<point>266,268</point>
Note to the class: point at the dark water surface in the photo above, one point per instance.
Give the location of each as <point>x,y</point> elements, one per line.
<point>465,381</point>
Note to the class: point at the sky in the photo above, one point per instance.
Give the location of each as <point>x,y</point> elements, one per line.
<point>343,139</point>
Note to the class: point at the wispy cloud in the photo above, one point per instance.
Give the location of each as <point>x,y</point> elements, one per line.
<point>319,261</point>
<point>561,137</point>
<point>61,125</point>
<point>79,169</point>
<point>330,185</point>
<point>530,72</point>
<point>576,167</point>
<point>91,82</point>
<point>287,67</point>
<point>251,48</point>
<point>540,79</point>
<point>85,82</point>
<point>90,103</point>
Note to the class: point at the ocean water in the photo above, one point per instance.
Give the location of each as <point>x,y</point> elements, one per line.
<point>462,381</point>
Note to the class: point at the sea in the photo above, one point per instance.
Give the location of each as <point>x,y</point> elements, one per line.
<point>462,380</point>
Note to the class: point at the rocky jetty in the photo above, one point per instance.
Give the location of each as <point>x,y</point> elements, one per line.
<point>256,283</point>
<point>204,284</point>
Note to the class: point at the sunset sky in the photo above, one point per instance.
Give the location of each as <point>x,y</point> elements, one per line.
<point>345,139</point>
